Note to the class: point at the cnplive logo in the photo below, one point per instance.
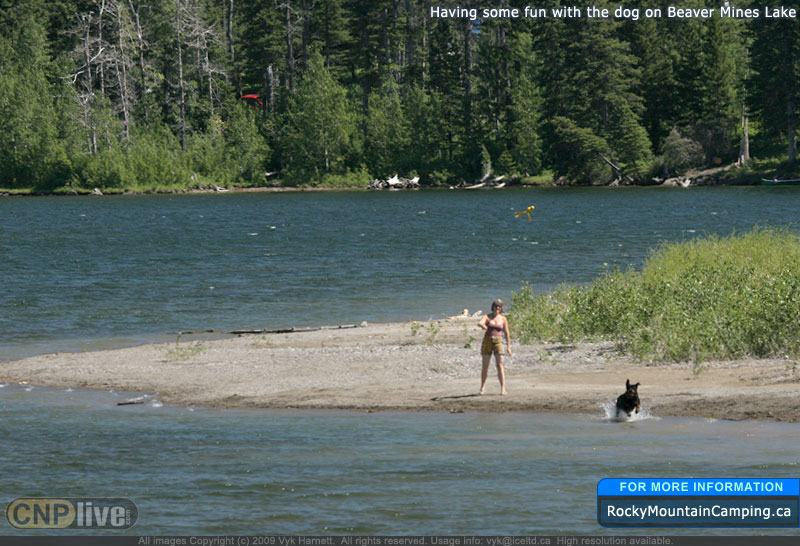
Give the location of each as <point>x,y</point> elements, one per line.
<point>72,513</point>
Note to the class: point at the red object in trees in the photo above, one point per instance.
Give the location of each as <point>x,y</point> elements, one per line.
<point>256,98</point>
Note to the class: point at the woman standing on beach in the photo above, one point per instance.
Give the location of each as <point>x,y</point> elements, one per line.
<point>496,326</point>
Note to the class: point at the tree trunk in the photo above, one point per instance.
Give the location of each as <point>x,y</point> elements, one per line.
<point>181,86</point>
<point>327,31</point>
<point>289,47</point>
<point>411,32</point>
<point>426,40</point>
<point>122,76</point>
<point>744,145</point>
<point>306,31</point>
<point>232,50</point>
<point>140,37</point>
<point>210,81</point>
<point>197,28</point>
<point>271,87</point>
<point>365,80</point>
<point>88,87</point>
<point>100,68</point>
<point>387,47</point>
<point>468,80</point>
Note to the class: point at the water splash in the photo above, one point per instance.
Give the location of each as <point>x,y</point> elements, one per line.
<point>610,414</point>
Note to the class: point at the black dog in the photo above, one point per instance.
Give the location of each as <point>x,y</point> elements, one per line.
<point>630,400</point>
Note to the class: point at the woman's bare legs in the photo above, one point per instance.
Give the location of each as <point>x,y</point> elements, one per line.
<point>485,371</point>
<point>501,373</point>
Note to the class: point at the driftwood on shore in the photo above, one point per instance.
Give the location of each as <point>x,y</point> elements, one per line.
<point>700,179</point>
<point>487,182</point>
<point>292,329</point>
<point>394,183</point>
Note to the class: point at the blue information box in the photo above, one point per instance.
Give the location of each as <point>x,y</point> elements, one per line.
<point>698,502</point>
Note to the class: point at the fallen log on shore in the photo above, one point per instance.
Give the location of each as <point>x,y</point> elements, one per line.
<point>495,184</point>
<point>394,183</point>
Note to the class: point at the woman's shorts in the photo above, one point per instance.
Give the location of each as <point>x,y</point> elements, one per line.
<point>492,344</point>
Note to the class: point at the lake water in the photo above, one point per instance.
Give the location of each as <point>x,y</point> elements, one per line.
<point>81,273</point>
<point>285,472</point>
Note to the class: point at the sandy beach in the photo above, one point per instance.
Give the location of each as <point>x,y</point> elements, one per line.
<point>416,366</point>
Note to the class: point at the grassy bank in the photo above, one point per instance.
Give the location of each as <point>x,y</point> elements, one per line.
<point>712,298</point>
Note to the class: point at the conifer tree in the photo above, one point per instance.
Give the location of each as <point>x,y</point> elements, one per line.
<point>319,125</point>
<point>775,82</point>
<point>386,138</point>
<point>32,152</point>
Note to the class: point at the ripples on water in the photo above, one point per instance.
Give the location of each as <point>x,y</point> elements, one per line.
<point>84,273</point>
<point>283,472</point>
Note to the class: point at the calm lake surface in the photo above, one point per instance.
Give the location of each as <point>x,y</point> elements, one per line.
<point>83,273</point>
<point>284,472</point>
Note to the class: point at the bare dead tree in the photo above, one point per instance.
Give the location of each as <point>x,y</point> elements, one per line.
<point>100,66</point>
<point>179,38</point>
<point>272,86</point>
<point>291,23</point>
<point>83,76</point>
<point>411,32</point>
<point>231,47</point>
<point>306,36</point>
<point>137,25</point>
<point>123,62</point>
<point>200,36</point>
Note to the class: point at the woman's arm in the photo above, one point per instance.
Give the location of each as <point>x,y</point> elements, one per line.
<point>482,323</point>
<point>508,334</point>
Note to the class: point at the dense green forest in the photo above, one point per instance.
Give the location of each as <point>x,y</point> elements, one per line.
<point>146,94</point>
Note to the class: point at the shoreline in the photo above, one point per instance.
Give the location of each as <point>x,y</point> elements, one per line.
<point>416,366</point>
<point>702,177</point>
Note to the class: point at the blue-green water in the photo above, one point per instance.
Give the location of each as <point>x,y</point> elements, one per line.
<point>79,273</point>
<point>217,472</point>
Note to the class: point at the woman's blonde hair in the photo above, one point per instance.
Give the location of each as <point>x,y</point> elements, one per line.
<point>497,304</point>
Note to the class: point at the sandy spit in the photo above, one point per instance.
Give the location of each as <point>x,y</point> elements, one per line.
<point>431,366</point>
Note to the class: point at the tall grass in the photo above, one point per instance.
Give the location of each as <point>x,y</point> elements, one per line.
<point>710,298</point>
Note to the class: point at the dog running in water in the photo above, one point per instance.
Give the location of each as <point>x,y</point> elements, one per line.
<point>629,401</point>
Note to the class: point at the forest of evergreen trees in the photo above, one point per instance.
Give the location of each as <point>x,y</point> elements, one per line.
<point>146,94</point>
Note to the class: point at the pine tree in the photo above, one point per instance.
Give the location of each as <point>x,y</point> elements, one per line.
<point>32,153</point>
<point>386,137</point>
<point>591,83</point>
<point>445,61</point>
<point>722,70</point>
<point>423,152</point>
<point>775,82</point>
<point>319,125</point>
<point>525,109</point>
<point>658,84</point>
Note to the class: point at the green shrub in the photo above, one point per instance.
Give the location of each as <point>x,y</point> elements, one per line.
<point>350,179</point>
<point>697,300</point>
<point>680,153</point>
<point>439,178</point>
